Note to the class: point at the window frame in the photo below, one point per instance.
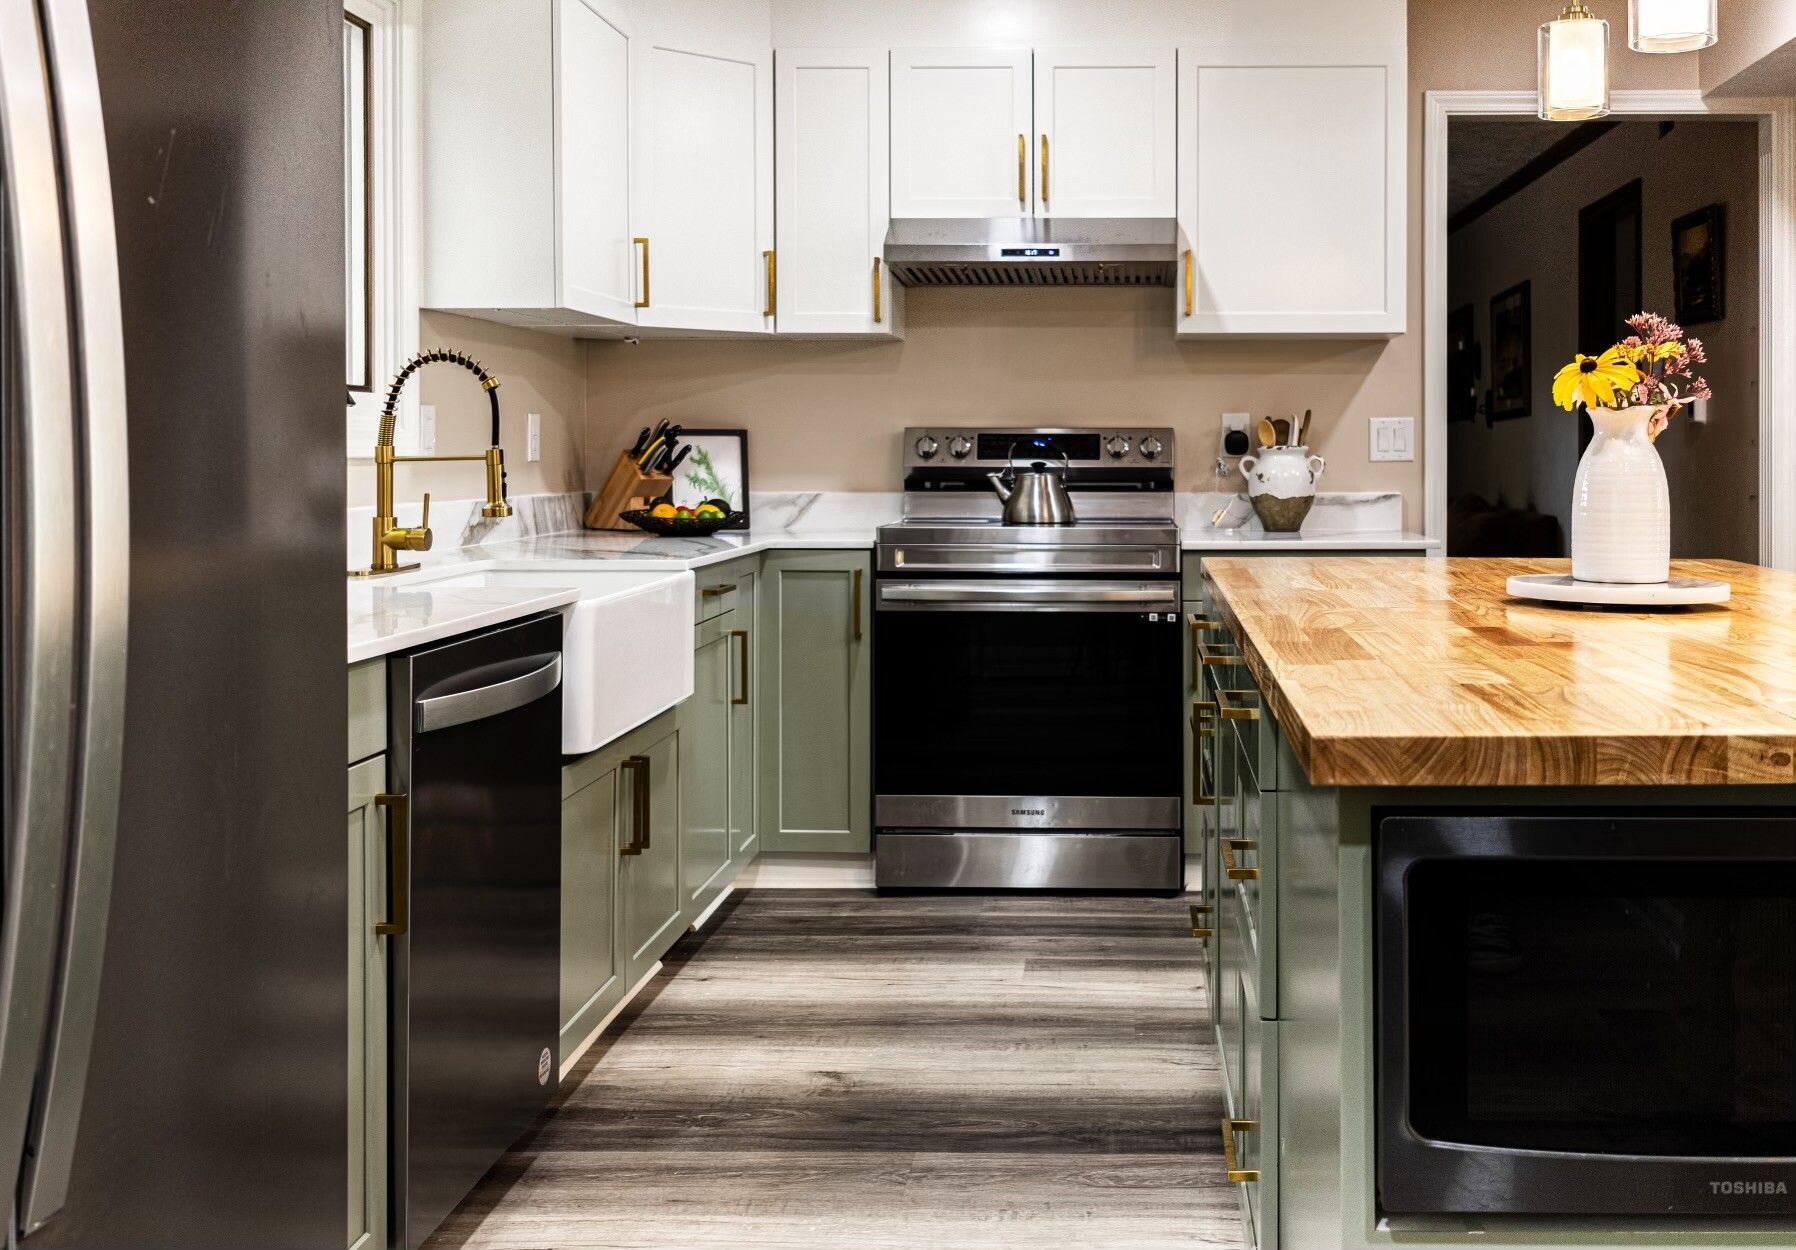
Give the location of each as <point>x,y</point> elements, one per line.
<point>394,239</point>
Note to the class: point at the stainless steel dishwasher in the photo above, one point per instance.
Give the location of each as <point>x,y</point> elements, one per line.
<point>476,908</point>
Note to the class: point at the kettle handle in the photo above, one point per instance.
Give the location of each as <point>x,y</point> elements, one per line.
<point>1010,462</point>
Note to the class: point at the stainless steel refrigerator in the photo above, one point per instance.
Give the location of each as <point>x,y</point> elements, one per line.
<point>173,952</point>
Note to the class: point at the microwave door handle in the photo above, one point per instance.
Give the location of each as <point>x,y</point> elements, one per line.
<point>43,586</point>
<point>446,710</point>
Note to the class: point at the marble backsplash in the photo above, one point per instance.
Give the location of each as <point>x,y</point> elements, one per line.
<point>1335,512</point>
<point>457,523</point>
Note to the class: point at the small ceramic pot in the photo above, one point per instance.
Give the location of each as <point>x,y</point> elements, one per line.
<point>1281,483</point>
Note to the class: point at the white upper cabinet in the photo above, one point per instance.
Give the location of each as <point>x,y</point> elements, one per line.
<point>701,178</point>
<point>961,123</point>
<point>592,68</point>
<point>526,171</point>
<point>1291,191</point>
<point>832,163</point>
<point>1105,132</point>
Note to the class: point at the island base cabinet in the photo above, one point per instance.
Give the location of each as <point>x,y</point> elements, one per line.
<point>815,785</point>
<point>368,952</point>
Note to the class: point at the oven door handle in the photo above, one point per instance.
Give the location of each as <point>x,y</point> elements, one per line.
<point>1035,594</point>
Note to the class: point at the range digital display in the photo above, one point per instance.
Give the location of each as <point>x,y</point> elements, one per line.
<point>998,445</point>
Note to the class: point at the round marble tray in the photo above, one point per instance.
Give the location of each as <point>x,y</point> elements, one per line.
<point>1563,588</point>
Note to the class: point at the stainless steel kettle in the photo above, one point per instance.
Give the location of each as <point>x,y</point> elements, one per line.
<point>1036,495</point>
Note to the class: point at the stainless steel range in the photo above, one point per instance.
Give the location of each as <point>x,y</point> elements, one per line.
<point>1027,677</point>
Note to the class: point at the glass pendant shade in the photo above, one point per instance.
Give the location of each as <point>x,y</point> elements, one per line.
<point>1671,25</point>
<point>1574,67</point>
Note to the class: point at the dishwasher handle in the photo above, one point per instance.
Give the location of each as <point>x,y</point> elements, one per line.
<point>444,711</point>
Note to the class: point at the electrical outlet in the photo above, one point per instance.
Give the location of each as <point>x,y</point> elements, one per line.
<point>533,446</point>
<point>427,429</point>
<point>1235,440</point>
<point>1699,411</point>
<point>1393,438</point>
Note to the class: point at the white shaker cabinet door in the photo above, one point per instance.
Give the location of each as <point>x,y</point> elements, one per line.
<point>1105,132</point>
<point>1291,197</point>
<point>961,122</point>
<point>592,124</point>
<point>702,182</point>
<point>831,151</point>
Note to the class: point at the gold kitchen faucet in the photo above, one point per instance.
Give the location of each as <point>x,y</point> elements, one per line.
<point>390,538</point>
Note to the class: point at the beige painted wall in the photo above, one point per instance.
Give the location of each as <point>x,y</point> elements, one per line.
<point>539,373</point>
<point>1713,468</point>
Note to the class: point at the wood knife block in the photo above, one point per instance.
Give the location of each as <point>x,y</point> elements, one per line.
<point>625,488</point>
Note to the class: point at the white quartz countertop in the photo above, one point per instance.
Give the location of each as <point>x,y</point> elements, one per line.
<point>405,610</point>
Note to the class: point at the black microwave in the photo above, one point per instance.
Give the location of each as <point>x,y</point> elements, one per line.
<point>1587,1014</point>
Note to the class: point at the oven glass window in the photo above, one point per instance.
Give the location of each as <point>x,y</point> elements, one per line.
<point>1610,1007</point>
<point>1027,703</point>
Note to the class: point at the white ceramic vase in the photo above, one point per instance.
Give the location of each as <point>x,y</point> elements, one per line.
<point>1621,506</point>
<point>1281,483</point>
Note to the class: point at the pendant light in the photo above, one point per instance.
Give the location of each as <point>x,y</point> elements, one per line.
<point>1574,66</point>
<point>1671,25</point>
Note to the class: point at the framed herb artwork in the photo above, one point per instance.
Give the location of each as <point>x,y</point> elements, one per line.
<point>1698,265</point>
<point>1511,355</point>
<point>716,467</point>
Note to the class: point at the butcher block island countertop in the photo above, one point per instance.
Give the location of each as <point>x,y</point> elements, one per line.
<point>1426,673</point>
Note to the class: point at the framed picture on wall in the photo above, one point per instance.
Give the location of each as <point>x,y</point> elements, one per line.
<point>716,467</point>
<point>1698,265</point>
<point>1462,365</point>
<point>1511,355</point>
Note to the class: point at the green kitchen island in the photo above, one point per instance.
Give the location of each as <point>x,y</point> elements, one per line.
<point>1341,705</point>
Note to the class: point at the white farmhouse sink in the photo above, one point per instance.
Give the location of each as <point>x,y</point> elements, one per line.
<point>626,648</point>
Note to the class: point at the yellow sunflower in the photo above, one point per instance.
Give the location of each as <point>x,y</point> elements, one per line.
<point>1595,381</point>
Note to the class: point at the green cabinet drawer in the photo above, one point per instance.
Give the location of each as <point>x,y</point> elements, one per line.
<point>719,587</point>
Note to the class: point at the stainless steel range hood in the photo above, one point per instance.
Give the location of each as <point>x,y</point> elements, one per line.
<point>1033,251</point>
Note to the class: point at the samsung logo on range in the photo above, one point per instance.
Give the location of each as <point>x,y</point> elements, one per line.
<point>1748,1187</point>
<point>1028,811</point>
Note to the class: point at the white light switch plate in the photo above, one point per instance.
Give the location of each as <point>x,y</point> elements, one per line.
<point>427,429</point>
<point>533,446</point>
<point>1393,438</point>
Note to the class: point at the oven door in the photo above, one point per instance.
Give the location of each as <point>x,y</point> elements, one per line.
<point>1587,1015</point>
<point>1049,704</point>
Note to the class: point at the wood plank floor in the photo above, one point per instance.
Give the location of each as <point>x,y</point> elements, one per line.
<point>836,1069</point>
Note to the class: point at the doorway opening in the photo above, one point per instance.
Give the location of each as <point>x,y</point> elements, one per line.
<point>1555,236</point>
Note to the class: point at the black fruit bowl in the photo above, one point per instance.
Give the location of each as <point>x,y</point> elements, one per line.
<point>674,526</point>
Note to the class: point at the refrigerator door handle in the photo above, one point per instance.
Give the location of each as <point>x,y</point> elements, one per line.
<point>102,474</point>
<point>42,584</point>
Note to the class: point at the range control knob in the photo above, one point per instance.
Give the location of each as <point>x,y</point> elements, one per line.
<point>1151,447</point>
<point>1117,446</point>
<point>960,446</point>
<point>927,447</point>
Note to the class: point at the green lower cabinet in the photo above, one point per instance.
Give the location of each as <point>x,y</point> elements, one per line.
<point>652,902</point>
<point>745,687</point>
<point>816,724</point>
<point>368,953</point>
<point>592,964</point>
<point>705,765</point>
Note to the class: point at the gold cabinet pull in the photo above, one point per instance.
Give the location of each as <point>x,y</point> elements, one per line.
<point>1202,932</point>
<point>638,768</point>
<point>1235,704</point>
<point>1198,625</point>
<point>1217,654</point>
<point>399,871</point>
<point>643,241</point>
<point>772,285</point>
<point>1230,868</point>
<point>1201,711</point>
<point>741,637</point>
<point>712,592</point>
<point>857,605</point>
<point>1238,1175</point>
<point>1044,169</point>
<point>1022,170</point>
<point>876,290</point>
<point>1190,287</point>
